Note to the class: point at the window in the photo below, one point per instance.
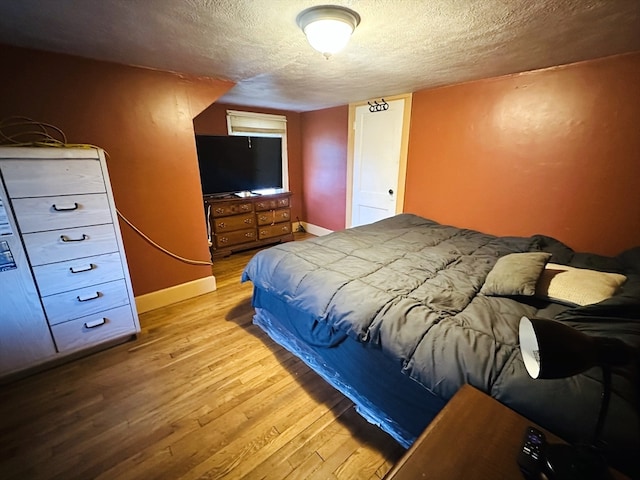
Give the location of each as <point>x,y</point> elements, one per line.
<point>261,125</point>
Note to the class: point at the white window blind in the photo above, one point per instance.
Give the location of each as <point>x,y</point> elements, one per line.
<point>250,123</point>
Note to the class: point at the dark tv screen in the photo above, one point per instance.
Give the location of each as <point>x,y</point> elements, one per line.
<point>237,164</point>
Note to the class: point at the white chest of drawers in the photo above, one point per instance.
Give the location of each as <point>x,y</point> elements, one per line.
<point>65,286</point>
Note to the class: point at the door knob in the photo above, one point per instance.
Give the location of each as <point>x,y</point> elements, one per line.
<point>390,191</point>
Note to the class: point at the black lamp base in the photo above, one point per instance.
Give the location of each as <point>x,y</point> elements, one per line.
<point>568,462</point>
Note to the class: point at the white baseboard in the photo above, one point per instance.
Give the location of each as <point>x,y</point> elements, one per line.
<point>316,230</point>
<point>177,293</point>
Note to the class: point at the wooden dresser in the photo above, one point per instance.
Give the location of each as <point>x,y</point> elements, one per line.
<point>242,223</point>
<point>63,273</point>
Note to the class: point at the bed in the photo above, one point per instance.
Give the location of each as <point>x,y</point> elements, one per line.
<point>399,314</point>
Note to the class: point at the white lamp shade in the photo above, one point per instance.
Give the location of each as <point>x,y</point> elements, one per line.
<point>328,36</point>
<point>328,28</point>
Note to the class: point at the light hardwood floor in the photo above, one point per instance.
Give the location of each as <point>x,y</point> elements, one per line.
<point>202,393</point>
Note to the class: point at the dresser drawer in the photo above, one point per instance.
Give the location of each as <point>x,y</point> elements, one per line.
<point>79,273</point>
<point>276,230</point>
<point>61,245</point>
<point>237,222</point>
<point>93,329</point>
<point>53,213</point>
<point>48,178</point>
<point>272,204</point>
<point>234,238</point>
<point>274,216</point>
<point>231,208</point>
<point>66,306</point>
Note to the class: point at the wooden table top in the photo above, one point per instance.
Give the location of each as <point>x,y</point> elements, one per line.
<point>473,437</point>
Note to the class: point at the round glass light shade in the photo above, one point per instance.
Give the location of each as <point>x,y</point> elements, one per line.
<point>328,36</point>
<point>328,28</point>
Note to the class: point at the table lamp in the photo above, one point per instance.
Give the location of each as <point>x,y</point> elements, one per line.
<point>552,349</point>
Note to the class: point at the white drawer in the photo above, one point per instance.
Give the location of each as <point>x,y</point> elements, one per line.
<point>61,245</point>
<point>52,213</point>
<point>66,306</point>
<point>94,329</point>
<point>47,178</point>
<point>78,273</point>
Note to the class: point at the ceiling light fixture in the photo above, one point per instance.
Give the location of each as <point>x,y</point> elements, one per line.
<point>328,27</point>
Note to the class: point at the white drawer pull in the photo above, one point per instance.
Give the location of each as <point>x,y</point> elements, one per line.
<point>80,270</point>
<point>90,297</point>
<point>65,209</point>
<point>64,238</point>
<point>95,323</point>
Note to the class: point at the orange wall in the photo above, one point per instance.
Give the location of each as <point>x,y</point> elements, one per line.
<point>213,121</point>
<point>324,153</point>
<point>143,119</point>
<point>553,151</point>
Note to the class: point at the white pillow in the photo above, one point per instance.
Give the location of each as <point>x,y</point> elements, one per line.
<point>577,286</point>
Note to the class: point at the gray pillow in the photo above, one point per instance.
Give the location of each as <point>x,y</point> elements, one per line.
<point>515,274</point>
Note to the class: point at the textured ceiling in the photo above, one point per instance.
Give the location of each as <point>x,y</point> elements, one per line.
<point>400,46</point>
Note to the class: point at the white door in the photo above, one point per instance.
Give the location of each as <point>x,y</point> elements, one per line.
<point>376,162</point>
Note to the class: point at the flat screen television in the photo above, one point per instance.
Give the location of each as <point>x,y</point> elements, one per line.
<point>230,164</point>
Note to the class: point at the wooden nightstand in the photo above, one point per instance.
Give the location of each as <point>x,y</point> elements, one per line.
<point>473,437</point>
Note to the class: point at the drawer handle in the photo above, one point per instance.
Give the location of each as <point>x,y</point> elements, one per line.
<point>91,297</point>
<point>95,323</point>
<point>80,270</point>
<point>224,239</point>
<point>219,210</point>
<point>65,209</point>
<point>245,207</point>
<point>64,238</point>
<point>222,224</point>
<point>248,220</point>
<point>249,234</point>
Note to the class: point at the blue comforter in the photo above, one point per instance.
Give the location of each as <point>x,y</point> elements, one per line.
<point>410,286</point>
